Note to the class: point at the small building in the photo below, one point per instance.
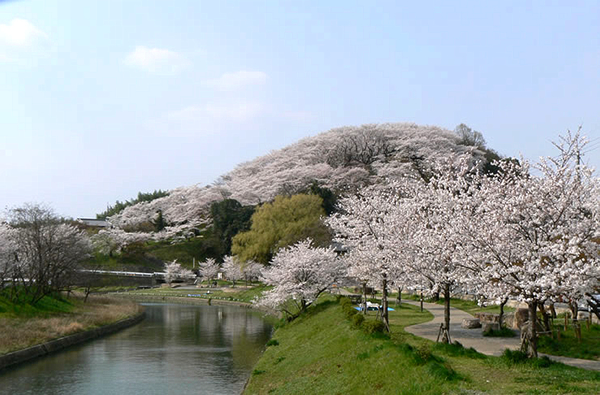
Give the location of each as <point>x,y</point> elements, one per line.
<point>94,223</point>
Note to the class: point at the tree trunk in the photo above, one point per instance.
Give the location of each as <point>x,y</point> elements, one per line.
<point>501,315</point>
<point>399,296</point>
<point>87,293</point>
<point>529,336</point>
<point>384,306</point>
<point>546,318</point>
<point>552,310</point>
<point>576,327</point>
<point>446,327</point>
<point>364,310</point>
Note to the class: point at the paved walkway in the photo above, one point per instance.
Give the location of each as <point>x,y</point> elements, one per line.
<point>474,337</point>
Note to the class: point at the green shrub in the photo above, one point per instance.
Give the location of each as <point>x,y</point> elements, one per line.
<point>457,349</point>
<point>424,353</point>
<point>357,320</point>
<point>504,332</point>
<point>519,357</point>
<point>512,357</point>
<point>278,360</point>
<point>343,301</point>
<point>349,311</point>
<point>272,342</point>
<point>372,326</point>
<point>542,362</point>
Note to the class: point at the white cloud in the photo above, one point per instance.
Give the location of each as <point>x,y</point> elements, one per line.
<point>235,112</point>
<point>20,33</point>
<point>236,80</point>
<point>156,60</point>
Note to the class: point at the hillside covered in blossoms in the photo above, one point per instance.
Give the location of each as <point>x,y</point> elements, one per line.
<point>343,160</point>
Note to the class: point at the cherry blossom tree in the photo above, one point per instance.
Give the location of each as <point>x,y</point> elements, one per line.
<point>173,270</point>
<point>232,269</point>
<point>252,271</point>
<point>209,269</point>
<point>8,251</point>
<point>299,274</point>
<point>110,241</point>
<point>534,237</point>
<point>46,251</point>
<point>440,209</point>
<point>405,232</point>
<point>373,226</point>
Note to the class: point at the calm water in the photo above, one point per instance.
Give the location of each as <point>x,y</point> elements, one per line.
<point>177,349</point>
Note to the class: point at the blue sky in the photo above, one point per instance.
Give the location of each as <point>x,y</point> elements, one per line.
<point>102,99</point>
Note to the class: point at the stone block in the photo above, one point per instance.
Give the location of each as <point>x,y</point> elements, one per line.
<point>487,317</point>
<point>521,317</point>
<point>509,321</point>
<point>471,323</point>
<point>491,326</point>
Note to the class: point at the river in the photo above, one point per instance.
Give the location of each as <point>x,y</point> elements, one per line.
<point>177,349</point>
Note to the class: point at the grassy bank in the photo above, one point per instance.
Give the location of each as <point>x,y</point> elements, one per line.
<point>23,325</point>
<point>322,353</point>
<point>237,294</point>
<point>568,345</point>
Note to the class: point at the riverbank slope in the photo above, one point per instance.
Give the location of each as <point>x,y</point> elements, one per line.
<point>25,326</point>
<point>322,353</point>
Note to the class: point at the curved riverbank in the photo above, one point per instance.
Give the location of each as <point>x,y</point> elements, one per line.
<point>17,357</point>
<point>322,350</point>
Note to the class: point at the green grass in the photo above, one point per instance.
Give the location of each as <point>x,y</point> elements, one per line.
<point>48,305</point>
<point>568,346</point>
<point>322,353</point>
<point>237,294</point>
<point>108,288</point>
<point>149,257</point>
<point>134,263</point>
<point>198,248</point>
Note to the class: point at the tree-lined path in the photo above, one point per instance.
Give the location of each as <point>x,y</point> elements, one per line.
<point>474,337</point>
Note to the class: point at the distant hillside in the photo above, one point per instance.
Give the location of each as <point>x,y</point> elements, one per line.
<point>120,206</point>
<point>341,159</point>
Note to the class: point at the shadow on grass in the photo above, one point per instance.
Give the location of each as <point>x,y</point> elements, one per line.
<point>458,350</point>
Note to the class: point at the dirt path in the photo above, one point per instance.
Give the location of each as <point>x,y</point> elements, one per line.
<point>474,337</point>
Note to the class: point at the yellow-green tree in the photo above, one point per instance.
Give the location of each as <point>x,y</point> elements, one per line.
<point>281,223</point>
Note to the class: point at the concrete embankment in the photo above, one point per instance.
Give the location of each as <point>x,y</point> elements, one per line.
<point>52,346</point>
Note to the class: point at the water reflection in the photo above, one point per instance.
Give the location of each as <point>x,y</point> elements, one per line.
<point>176,349</point>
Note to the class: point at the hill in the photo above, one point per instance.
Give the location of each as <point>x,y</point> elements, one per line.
<point>342,159</point>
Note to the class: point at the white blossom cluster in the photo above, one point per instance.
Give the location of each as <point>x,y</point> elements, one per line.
<point>174,270</point>
<point>514,233</point>
<point>299,274</point>
<point>528,232</point>
<point>235,271</point>
<point>343,159</point>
